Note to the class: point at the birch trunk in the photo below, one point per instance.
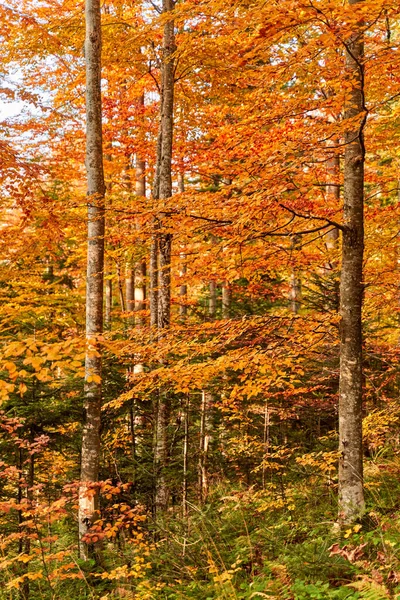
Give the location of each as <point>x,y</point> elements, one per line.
<point>351,495</point>
<point>88,503</point>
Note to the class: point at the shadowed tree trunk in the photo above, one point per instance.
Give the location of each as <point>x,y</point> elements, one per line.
<point>295,279</point>
<point>351,495</point>
<point>88,503</point>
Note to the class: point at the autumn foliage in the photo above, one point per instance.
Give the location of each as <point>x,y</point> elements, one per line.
<point>218,463</point>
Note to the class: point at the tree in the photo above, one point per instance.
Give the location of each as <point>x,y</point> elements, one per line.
<point>351,495</point>
<point>88,498</point>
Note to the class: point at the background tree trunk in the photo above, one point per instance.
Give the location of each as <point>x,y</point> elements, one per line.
<point>163,191</point>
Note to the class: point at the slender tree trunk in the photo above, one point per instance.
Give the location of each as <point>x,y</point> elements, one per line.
<point>212,302</point>
<point>331,268</point>
<point>185,459</point>
<point>332,197</point>
<point>140,267</point>
<point>154,281</point>
<point>206,427</point>
<point>351,495</point>
<point>266,441</point>
<point>120,288</point>
<point>183,287</point>
<point>130,292</point>
<point>140,290</point>
<point>183,267</point>
<point>226,300</point>
<point>295,279</point>
<point>133,441</point>
<point>108,303</point>
<point>163,191</point>
<point>88,503</point>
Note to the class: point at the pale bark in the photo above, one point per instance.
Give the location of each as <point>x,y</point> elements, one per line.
<point>206,429</point>
<point>140,290</point>
<point>109,297</point>
<point>351,495</point>
<point>226,300</point>
<point>88,503</point>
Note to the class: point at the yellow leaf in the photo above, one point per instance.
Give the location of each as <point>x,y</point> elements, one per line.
<point>347,534</point>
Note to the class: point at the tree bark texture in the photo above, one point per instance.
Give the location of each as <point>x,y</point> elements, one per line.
<point>351,495</point>
<point>88,503</point>
<point>295,278</point>
<point>163,191</point>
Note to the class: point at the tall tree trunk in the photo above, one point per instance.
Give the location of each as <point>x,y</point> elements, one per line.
<point>88,503</point>
<point>206,428</point>
<point>351,495</point>
<point>140,267</point>
<point>295,279</point>
<point>183,268</point>
<point>185,458</point>
<point>163,190</point>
